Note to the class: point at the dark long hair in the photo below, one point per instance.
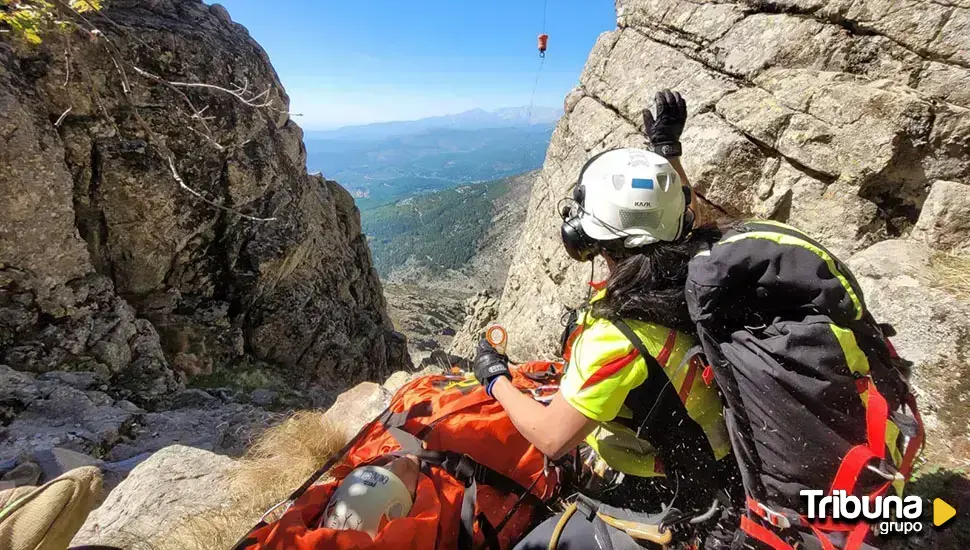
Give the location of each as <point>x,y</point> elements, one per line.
<point>648,284</point>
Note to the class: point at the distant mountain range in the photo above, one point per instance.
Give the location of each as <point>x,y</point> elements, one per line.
<point>381,163</point>
<point>476,119</point>
<point>430,190</point>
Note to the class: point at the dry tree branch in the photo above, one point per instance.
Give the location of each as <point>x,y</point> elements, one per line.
<point>237,93</point>
<point>67,58</point>
<point>125,87</point>
<point>208,138</point>
<point>60,119</point>
<point>181,182</point>
<point>208,131</point>
<point>105,42</point>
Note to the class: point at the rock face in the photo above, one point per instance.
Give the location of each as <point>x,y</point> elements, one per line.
<point>837,117</point>
<point>429,317</point>
<point>944,222</point>
<point>71,410</point>
<point>905,283</point>
<point>157,220</point>
<point>480,311</point>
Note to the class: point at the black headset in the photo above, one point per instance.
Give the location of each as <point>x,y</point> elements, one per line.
<point>580,246</point>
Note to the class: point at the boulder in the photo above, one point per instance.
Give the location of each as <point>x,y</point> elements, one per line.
<point>83,326</point>
<point>396,380</point>
<point>25,474</point>
<point>944,221</point>
<point>192,398</point>
<point>902,287</point>
<point>55,462</point>
<point>262,397</point>
<point>62,416</point>
<point>177,483</point>
<point>357,406</point>
<point>43,412</point>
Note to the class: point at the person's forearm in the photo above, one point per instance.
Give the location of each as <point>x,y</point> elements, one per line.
<point>679,168</point>
<point>554,429</point>
<point>528,416</point>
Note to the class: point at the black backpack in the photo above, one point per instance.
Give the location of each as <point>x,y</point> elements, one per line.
<point>815,396</point>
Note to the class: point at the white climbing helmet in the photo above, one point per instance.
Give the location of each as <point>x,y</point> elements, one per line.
<point>368,498</point>
<point>632,194</point>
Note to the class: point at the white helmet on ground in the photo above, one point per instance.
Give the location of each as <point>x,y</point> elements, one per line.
<point>368,498</point>
<point>631,194</point>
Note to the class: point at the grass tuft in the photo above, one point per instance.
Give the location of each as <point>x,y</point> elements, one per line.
<point>952,274</point>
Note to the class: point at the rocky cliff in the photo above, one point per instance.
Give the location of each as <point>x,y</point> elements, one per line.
<point>157,221</point>
<point>849,119</point>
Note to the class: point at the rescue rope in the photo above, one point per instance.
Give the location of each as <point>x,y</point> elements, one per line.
<point>535,86</point>
<point>561,525</point>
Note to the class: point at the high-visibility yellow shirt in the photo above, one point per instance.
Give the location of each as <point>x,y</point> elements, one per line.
<point>603,368</point>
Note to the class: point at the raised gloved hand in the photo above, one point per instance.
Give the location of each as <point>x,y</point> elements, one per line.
<point>664,130</point>
<point>490,365</point>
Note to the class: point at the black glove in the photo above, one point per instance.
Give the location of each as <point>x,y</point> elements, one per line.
<point>490,365</point>
<point>664,131</point>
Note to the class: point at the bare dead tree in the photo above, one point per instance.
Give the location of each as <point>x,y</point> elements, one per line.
<point>240,93</point>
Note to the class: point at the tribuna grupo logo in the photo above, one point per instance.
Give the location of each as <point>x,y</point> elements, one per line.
<point>890,514</point>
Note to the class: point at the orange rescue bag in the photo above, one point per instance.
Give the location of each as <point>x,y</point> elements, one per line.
<point>481,482</point>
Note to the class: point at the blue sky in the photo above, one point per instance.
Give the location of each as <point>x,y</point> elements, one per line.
<point>359,61</point>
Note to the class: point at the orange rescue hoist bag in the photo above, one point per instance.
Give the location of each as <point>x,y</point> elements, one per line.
<point>481,483</point>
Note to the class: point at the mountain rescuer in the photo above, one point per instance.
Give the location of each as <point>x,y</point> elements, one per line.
<point>788,356</point>
<point>633,386</point>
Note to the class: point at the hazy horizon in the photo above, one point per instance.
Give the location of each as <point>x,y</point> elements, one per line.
<point>439,115</point>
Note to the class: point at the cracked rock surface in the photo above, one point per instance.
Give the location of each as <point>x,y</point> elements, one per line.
<point>848,119</point>
<point>72,410</point>
<point>110,263</point>
<point>837,117</point>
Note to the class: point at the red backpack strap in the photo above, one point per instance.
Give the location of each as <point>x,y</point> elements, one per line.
<point>877,417</point>
<point>762,534</point>
<point>916,443</point>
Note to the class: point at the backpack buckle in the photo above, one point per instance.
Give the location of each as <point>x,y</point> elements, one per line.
<point>776,519</point>
<point>708,375</point>
<point>890,473</point>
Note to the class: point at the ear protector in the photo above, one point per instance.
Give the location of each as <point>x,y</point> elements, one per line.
<point>580,246</point>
